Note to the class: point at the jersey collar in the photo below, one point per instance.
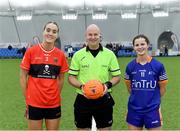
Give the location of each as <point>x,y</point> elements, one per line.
<point>100,48</point>
<point>40,45</point>
<point>148,58</point>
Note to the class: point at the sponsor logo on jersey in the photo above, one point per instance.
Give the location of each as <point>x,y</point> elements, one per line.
<point>47,55</point>
<point>156,121</point>
<point>134,72</point>
<point>144,84</point>
<point>109,122</point>
<point>37,58</point>
<point>85,66</point>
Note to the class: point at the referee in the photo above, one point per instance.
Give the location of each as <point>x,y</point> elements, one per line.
<point>94,62</point>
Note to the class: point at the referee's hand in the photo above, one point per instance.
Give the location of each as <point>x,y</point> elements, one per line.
<point>105,89</point>
<point>82,89</point>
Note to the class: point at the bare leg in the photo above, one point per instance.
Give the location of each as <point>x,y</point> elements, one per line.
<point>134,128</point>
<point>83,129</point>
<point>35,124</point>
<point>155,129</point>
<point>52,124</point>
<point>105,129</point>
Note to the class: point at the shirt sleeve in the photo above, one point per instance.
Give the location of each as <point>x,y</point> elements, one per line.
<point>127,74</point>
<point>162,73</point>
<point>26,61</point>
<point>163,79</point>
<point>64,66</point>
<point>75,66</point>
<point>127,79</point>
<point>114,66</point>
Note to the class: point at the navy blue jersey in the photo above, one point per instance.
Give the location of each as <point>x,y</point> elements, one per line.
<point>145,91</point>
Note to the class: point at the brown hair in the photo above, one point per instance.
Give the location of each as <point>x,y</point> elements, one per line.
<point>53,22</point>
<point>141,36</point>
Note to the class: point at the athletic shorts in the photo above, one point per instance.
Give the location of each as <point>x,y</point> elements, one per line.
<point>36,113</point>
<point>101,109</point>
<point>149,120</point>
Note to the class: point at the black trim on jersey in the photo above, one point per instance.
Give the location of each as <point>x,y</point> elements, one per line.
<point>73,70</point>
<point>114,70</point>
<point>100,47</point>
<point>95,52</point>
<point>83,58</point>
<point>72,75</point>
<point>115,75</point>
<point>46,71</point>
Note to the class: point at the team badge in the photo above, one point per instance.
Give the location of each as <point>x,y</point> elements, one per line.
<point>55,59</point>
<point>46,70</point>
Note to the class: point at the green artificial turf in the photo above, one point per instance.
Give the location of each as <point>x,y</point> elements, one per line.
<point>12,105</point>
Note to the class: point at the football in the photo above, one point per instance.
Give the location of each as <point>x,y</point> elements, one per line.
<point>93,89</point>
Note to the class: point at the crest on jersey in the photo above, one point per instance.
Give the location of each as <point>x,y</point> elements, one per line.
<point>55,59</point>
<point>46,70</point>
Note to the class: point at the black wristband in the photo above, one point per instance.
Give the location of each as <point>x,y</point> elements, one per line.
<point>80,86</point>
<point>108,84</point>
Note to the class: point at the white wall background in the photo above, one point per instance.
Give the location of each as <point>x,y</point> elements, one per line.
<point>113,29</point>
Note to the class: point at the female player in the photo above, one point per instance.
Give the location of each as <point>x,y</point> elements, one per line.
<point>41,79</point>
<point>146,81</point>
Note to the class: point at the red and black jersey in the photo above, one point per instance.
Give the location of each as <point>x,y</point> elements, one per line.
<point>44,67</point>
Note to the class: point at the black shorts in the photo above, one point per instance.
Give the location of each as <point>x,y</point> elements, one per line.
<point>36,113</point>
<point>101,109</point>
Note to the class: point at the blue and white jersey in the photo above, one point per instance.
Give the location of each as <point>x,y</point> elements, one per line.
<point>145,91</point>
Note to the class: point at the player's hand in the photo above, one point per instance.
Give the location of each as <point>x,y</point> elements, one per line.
<point>26,114</point>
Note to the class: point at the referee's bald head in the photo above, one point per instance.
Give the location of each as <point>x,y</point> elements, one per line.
<point>93,27</point>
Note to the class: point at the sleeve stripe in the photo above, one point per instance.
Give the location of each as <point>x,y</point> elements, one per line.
<point>114,70</point>
<point>72,74</point>
<point>115,75</point>
<point>73,70</point>
<point>163,77</point>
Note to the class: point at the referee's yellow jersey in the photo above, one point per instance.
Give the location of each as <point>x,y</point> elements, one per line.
<point>87,67</point>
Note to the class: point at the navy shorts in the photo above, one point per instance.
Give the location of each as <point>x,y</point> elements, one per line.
<point>101,109</point>
<point>36,113</point>
<point>149,120</point>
